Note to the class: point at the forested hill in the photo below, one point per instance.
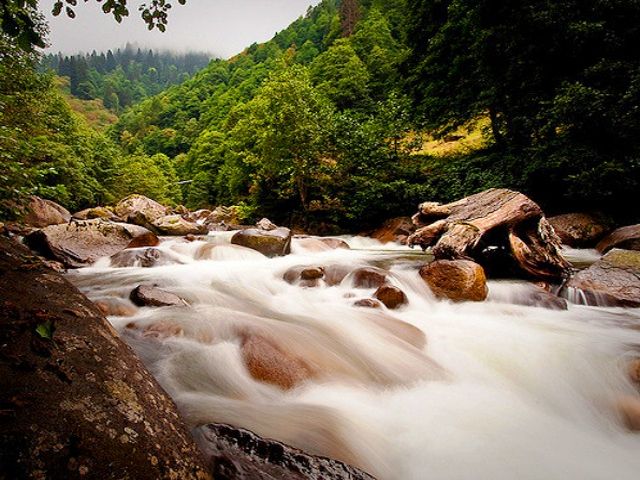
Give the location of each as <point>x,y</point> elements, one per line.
<point>125,76</point>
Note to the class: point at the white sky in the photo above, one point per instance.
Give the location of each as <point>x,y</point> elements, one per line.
<point>220,27</point>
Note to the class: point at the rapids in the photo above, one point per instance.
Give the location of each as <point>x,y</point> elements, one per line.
<point>499,391</point>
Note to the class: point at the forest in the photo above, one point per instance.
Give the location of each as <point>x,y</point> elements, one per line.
<point>327,126</point>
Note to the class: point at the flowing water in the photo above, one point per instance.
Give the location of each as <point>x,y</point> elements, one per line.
<point>498,391</point>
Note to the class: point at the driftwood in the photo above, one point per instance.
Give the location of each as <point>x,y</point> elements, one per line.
<point>496,220</point>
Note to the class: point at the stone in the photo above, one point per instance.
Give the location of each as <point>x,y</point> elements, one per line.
<point>626,238</point>
<point>612,281</point>
<point>140,210</point>
<point>76,401</point>
<point>143,257</point>
<point>42,213</point>
<point>629,408</point>
<point>179,226</point>
<point>222,214</point>
<point>541,298</point>
<point>457,280</point>
<point>394,230</point>
<point>335,273</point>
<point>96,212</point>
<point>391,296</point>
<point>268,362</point>
<point>334,243</point>
<point>116,307</point>
<point>266,224</point>
<point>369,277</point>
<point>578,229</point>
<point>241,455</point>
<point>151,296</point>
<point>312,273</point>
<point>272,244</point>
<point>147,239</point>
<point>367,303</point>
<point>80,243</point>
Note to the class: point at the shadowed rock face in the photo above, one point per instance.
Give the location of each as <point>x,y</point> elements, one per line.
<point>75,402</point>
<point>239,454</point>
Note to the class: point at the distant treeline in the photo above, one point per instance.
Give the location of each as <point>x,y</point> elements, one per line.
<point>126,76</point>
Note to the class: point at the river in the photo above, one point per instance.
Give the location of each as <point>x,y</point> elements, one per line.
<point>499,391</point>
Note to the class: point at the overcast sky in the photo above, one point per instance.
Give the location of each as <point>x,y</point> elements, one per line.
<point>221,27</point>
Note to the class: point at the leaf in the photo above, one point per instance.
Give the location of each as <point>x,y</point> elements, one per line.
<point>45,330</point>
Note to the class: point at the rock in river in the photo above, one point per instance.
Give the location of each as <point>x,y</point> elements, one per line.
<point>150,296</point>
<point>578,229</point>
<point>627,238</point>
<point>272,243</point>
<point>456,280</point>
<point>177,225</point>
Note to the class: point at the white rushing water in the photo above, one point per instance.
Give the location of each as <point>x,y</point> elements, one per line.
<point>499,391</point>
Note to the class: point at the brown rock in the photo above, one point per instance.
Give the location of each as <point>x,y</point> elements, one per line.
<point>629,408</point>
<point>177,225</point>
<point>266,224</point>
<point>369,277</point>
<point>80,243</point>
<point>456,280</point>
<point>222,214</point>
<point>149,296</point>
<point>391,296</point>
<point>76,402</point>
<point>542,299</point>
<point>146,258</point>
<point>578,229</point>
<point>394,230</point>
<point>117,307</point>
<point>140,210</point>
<point>268,362</point>
<point>367,303</point>
<point>614,280</point>
<point>334,243</point>
<point>626,238</point>
<point>96,212</point>
<point>313,273</point>
<point>147,239</point>
<point>634,370</point>
<point>272,243</point>
<point>42,213</point>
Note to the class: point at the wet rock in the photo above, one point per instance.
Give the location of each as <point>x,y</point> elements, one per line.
<point>367,303</point>
<point>272,244</point>
<point>391,296</point>
<point>457,280</point>
<point>541,298</point>
<point>629,408</point>
<point>394,230</point>
<point>42,213</point>
<point>147,239</point>
<point>578,229</point>
<point>369,277</point>
<point>318,244</point>
<point>116,307</point>
<point>76,402</point>
<point>614,280</point>
<point>96,212</point>
<point>211,251</point>
<point>177,225</point>
<point>313,273</point>
<point>335,273</point>
<point>335,243</point>
<point>146,258</point>
<point>80,243</point>
<point>270,363</point>
<point>241,455</point>
<point>266,224</point>
<point>626,238</point>
<point>150,296</point>
<point>140,210</point>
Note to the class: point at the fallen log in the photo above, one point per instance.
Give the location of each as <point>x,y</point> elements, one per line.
<point>494,221</point>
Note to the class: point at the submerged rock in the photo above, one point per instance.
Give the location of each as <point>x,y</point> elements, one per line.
<point>237,454</point>
<point>367,303</point>
<point>273,243</point>
<point>80,243</point>
<point>614,280</point>
<point>457,280</point>
<point>578,229</point>
<point>114,306</point>
<point>626,238</point>
<point>369,277</point>
<point>150,296</point>
<point>177,225</point>
<point>76,402</point>
<point>148,257</point>
<point>391,296</point>
<point>42,213</point>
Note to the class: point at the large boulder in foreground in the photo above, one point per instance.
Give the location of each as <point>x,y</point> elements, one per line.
<point>81,243</point>
<point>614,280</point>
<point>627,238</point>
<point>140,210</point>
<point>578,229</point>
<point>271,243</point>
<point>496,220</point>
<point>177,225</point>
<point>241,455</point>
<point>42,213</point>
<point>457,280</point>
<point>76,402</point>
<point>394,230</point>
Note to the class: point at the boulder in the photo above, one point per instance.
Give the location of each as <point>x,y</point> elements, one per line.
<point>222,214</point>
<point>96,212</point>
<point>116,307</point>
<point>143,257</point>
<point>151,296</point>
<point>177,225</point>
<point>270,363</point>
<point>369,277</point>
<point>80,243</point>
<point>147,239</point>
<point>541,298</point>
<point>266,224</point>
<point>200,215</point>
<point>241,455</point>
<point>394,230</point>
<point>334,243</point>
<point>140,210</point>
<point>391,296</point>
<point>42,213</point>
<point>76,401</point>
<point>626,238</point>
<point>457,280</point>
<point>614,280</point>
<point>578,229</point>
<point>272,244</point>
<point>367,303</point>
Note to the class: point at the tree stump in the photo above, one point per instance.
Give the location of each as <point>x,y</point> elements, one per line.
<point>494,221</point>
